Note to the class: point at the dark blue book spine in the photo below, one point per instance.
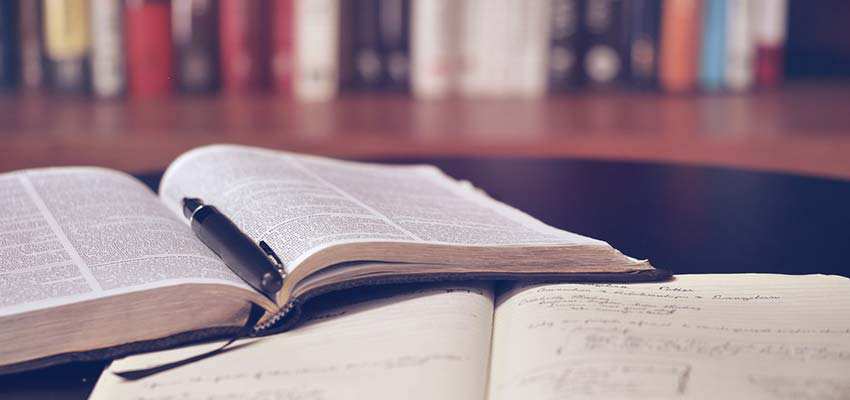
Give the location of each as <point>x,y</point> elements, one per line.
<point>565,42</point>
<point>394,35</point>
<point>380,56</point>
<point>366,50</point>
<point>643,20</point>
<point>8,44</point>
<point>194,31</point>
<point>604,57</point>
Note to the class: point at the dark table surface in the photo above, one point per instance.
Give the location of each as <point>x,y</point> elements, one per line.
<point>687,219</point>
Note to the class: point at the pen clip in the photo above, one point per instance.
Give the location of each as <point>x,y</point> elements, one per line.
<point>273,257</point>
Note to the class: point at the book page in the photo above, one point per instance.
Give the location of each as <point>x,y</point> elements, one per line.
<point>71,234</point>
<point>429,344</point>
<point>301,203</point>
<point>741,336</point>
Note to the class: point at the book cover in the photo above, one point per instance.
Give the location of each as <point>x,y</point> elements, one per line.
<point>565,44</point>
<point>317,39</point>
<point>194,31</point>
<point>67,43</point>
<point>31,45</point>
<point>148,45</point>
<point>8,44</point>
<point>769,19</point>
<point>244,37</point>
<point>108,71</point>
<point>283,45</point>
<point>680,44</point>
<point>713,57</point>
<point>605,34</point>
<point>643,26</point>
<point>739,45</point>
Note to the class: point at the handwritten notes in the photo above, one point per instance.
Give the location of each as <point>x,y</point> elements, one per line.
<point>700,336</point>
<point>394,348</point>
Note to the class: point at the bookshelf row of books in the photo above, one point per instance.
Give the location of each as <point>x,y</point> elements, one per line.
<point>313,49</point>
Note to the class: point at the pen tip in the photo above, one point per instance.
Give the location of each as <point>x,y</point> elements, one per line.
<point>190,204</point>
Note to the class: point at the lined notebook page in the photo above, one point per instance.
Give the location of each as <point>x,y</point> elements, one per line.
<point>748,336</point>
<point>427,345</point>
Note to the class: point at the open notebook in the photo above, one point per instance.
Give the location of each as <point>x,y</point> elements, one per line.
<point>95,265</point>
<point>747,336</point>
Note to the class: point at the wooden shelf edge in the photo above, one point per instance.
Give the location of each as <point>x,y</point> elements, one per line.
<point>826,157</point>
<point>801,129</point>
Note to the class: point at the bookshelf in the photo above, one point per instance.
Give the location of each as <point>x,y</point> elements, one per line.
<point>804,127</point>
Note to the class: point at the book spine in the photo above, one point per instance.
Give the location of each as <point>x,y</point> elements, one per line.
<point>565,44</point>
<point>529,47</point>
<point>680,44</point>
<point>603,61</point>
<point>31,50</point>
<point>478,29</point>
<point>366,45</point>
<point>713,57</point>
<point>739,45</point>
<point>505,48</point>
<point>394,34</point>
<point>66,43</point>
<point>769,29</point>
<point>643,41</point>
<point>148,45</point>
<point>317,38</point>
<point>345,46</point>
<point>244,44</point>
<point>435,51</point>
<point>194,32</point>
<point>8,44</point>
<point>283,45</point>
<point>108,74</point>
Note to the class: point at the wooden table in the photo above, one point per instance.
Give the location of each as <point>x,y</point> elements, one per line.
<point>688,219</point>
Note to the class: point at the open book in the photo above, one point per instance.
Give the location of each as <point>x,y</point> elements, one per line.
<point>747,336</point>
<point>95,265</point>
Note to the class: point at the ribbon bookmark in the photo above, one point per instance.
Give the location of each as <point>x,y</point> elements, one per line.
<point>246,331</point>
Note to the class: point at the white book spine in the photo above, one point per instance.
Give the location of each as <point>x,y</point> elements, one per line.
<point>769,19</point>
<point>530,48</point>
<point>435,49</point>
<point>317,32</point>
<point>472,41</point>
<point>505,47</point>
<point>107,56</point>
<point>739,45</point>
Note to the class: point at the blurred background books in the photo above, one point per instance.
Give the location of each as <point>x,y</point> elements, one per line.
<point>131,84</point>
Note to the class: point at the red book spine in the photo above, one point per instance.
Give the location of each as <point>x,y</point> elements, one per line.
<point>283,46</point>
<point>769,64</point>
<point>148,44</point>
<point>244,37</point>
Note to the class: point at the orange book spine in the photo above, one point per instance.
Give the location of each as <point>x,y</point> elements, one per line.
<point>681,29</point>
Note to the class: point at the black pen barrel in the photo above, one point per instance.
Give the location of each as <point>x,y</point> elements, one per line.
<point>236,249</point>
